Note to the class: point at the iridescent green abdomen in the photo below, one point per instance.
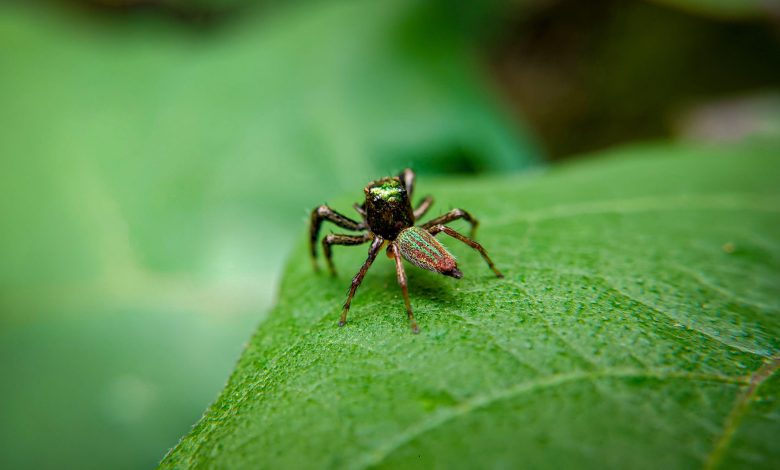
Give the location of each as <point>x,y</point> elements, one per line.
<point>421,249</point>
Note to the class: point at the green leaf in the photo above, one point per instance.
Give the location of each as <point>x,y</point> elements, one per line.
<point>637,327</point>
<point>153,177</point>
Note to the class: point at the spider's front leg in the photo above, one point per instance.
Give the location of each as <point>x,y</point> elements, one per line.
<point>340,239</point>
<point>372,252</point>
<point>407,177</point>
<point>320,214</point>
<point>436,229</point>
<point>454,214</point>
<point>425,204</point>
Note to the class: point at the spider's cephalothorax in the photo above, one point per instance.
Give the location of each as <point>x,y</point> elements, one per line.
<point>388,217</point>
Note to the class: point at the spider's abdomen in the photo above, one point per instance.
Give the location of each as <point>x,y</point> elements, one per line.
<point>388,210</point>
<point>421,249</point>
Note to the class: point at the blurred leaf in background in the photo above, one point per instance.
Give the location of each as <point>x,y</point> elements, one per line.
<point>153,175</point>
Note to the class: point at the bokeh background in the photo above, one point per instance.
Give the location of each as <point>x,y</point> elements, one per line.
<point>158,159</point>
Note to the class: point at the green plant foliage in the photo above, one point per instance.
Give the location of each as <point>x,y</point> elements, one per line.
<point>152,175</point>
<point>637,327</point>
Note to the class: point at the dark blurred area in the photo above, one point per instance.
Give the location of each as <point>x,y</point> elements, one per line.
<point>158,159</point>
<point>586,75</point>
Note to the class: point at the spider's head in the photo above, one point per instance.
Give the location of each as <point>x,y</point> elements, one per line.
<point>386,190</point>
<point>388,210</point>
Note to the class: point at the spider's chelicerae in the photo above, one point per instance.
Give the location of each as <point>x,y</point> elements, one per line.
<point>387,217</point>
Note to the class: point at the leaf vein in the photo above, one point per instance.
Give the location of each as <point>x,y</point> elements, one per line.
<point>739,410</point>
<point>467,406</point>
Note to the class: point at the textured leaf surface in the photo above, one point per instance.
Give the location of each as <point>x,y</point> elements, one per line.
<point>637,327</point>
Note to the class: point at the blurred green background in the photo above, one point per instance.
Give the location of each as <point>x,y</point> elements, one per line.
<point>158,159</point>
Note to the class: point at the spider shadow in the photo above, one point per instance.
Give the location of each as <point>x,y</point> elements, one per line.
<point>423,284</point>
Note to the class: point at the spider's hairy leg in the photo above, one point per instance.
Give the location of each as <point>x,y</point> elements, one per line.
<point>436,229</point>
<point>407,178</point>
<point>372,252</point>
<point>340,239</point>
<point>425,204</point>
<point>454,214</point>
<point>320,214</point>
<point>399,269</point>
<point>360,209</point>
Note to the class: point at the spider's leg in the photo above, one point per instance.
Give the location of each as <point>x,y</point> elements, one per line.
<point>407,178</point>
<point>340,239</point>
<point>372,252</point>
<point>443,228</point>
<point>320,214</point>
<point>399,269</point>
<point>360,209</point>
<point>454,214</point>
<point>425,204</point>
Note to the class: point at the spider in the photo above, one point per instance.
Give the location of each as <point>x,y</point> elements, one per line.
<point>387,217</point>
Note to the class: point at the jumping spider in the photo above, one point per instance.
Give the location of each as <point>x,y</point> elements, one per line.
<point>387,217</point>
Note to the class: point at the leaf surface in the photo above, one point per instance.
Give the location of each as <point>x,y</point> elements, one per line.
<point>637,327</point>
